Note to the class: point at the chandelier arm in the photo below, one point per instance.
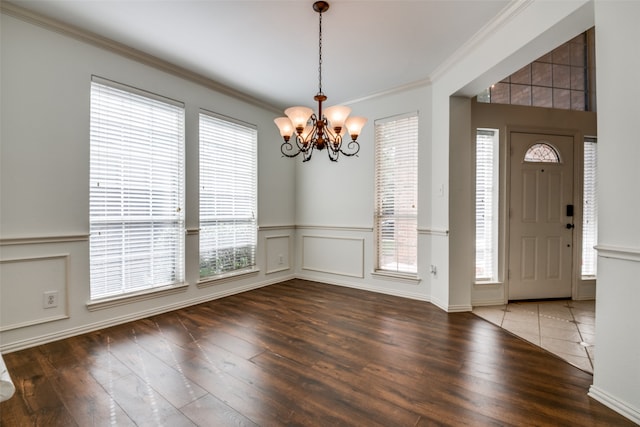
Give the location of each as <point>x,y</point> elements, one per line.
<point>333,155</point>
<point>306,155</point>
<point>350,146</point>
<point>289,147</point>
<point>335,143</point>
<point>301,145</point>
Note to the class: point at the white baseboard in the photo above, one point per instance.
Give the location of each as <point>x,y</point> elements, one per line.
<point>459,308</point>
<point>487,303</point>
<point>622,408</point>
<point>451,308</point>
<point>346,284</point>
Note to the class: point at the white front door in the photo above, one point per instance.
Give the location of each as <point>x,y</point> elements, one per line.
<point>540,221</point>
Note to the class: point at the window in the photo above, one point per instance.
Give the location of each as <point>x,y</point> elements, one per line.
<point>559,79</point>
<point>228,195</point>
<point>487,143</point>
<point>396,188</point>
<point>589,209</point>
<point>136,190</point>
<point>542,153</point>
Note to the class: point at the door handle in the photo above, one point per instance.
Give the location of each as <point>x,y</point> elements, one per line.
<point>570,226</point>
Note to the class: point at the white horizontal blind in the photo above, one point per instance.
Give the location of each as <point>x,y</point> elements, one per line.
<point>396,189</point>
<point>590,209</point>
<point>486,204</point>
<point>136,191</point>
<point>228,195</point>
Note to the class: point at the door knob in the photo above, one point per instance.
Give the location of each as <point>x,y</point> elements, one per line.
<point>570,226</point>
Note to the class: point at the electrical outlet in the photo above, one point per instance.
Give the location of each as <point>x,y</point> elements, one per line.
<point>280,259</point>
<point>50,299</point>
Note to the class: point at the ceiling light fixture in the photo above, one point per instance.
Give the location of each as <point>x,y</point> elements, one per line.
<point>324,130</point>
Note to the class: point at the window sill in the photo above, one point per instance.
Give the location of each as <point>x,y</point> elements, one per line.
<point>488,284</point>
<point>226,277</point>
<point>147,294</point>
<point>399,277</point>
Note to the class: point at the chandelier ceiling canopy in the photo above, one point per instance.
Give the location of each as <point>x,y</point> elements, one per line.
<point>324,130</point>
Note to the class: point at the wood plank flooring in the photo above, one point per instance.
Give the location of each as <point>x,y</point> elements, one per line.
<point>300,353</point>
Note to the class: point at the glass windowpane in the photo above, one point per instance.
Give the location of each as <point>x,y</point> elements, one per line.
<point>396,170</point>
<point>578,78</point>
<point>578,55</point>
<point>561,55</point>
<point>228,195</point>
<point>522,76</point>
<point>500,93</point>
<point>542,96</point>
<point>578,100</point>
<point>541,153</point>
<point>590,210</point>
<point>541,74</point>
<point>545,58</point>
<point>563,69</point>
<point>520,95</point>
<point>561,76</point>
<point>136,199</point>
<point>562,99</point>
<point>486,205</point>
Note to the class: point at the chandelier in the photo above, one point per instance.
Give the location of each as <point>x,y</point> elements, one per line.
<point>324,130</point>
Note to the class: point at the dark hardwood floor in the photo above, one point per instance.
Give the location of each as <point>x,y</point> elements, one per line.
<point>300,353</point>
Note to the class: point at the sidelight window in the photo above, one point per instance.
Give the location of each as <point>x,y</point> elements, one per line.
<point>486,204</point>
<point>589,209</point>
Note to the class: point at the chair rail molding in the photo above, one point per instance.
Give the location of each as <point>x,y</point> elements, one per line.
<point>618,252</point>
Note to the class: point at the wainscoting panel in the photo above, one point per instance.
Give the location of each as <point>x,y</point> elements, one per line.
<point>335,255</point>
<point>23,283</point>
<point>278,256</point>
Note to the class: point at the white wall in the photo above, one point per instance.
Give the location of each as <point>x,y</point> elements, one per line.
<point>335,205</point>
<point>616,380</point>
<point>44,178</point>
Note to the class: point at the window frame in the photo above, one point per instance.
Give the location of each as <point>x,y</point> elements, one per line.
<point>492,231</point>
<point>536,148</point>
<point>126,189</point>
<point>589,208</point>
<point>212,205</point>
<point>404,129</point>
<point>559,79</point>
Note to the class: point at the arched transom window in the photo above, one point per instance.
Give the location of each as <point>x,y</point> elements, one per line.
<point>541,152</point>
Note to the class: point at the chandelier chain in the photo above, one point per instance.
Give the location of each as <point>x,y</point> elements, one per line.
<point>320,54</point>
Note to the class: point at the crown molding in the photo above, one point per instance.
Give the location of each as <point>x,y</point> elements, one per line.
<point>94,39</point>
<point>507,14</point>
<point>398,89</point>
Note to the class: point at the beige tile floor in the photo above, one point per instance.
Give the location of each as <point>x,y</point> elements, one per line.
<point>565,328</point>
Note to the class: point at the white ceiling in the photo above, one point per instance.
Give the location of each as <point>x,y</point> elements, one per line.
<point>269,49</point>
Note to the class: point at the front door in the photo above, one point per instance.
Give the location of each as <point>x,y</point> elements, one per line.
<point>540,216</point>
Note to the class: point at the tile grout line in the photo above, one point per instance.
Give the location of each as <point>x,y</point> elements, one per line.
<point>575,322</point>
